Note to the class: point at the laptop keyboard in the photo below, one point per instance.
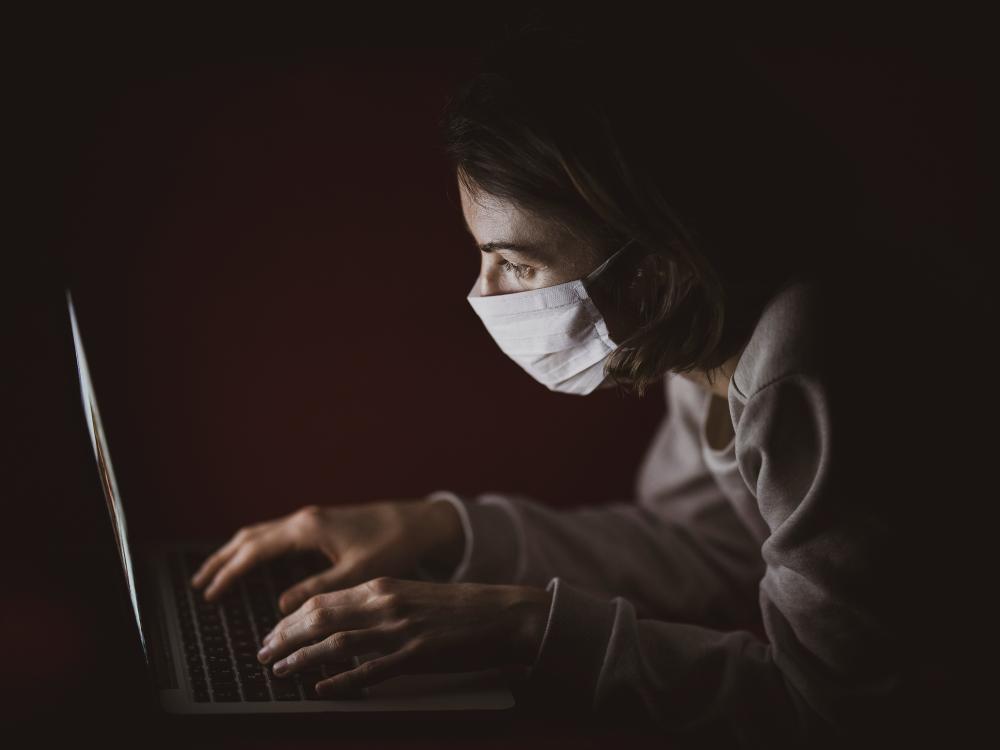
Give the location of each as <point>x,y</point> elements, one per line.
<point>221,638</point>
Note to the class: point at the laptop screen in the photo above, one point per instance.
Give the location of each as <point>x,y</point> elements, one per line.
<point>106,472</point>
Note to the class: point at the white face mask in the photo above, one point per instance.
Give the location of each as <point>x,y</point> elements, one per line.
<point>555,333</point>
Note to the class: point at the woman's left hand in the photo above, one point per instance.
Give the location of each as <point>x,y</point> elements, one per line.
<point>414,626</point>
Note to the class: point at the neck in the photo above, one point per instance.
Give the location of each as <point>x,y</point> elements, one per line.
<point>721,377</point>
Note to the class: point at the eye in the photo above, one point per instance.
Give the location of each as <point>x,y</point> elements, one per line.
<point>518,270</point>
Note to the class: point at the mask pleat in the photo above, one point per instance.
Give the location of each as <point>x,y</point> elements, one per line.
<point>553,368</point>
<point>556,334</point>
<point>582,382</point>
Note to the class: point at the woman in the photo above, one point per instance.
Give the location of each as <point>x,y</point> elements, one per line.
<point>645,217</point>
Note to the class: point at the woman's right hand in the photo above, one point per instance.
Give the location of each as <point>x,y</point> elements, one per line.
<point>389,538</point>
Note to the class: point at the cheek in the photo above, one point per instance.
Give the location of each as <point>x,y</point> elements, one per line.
<point>493,279</point>
<point>574,259</point>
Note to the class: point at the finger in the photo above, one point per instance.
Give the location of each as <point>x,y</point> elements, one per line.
<point>217,559</point>
<point>347,601</point>
<point>314,621</point>
<point>290,637</point>
<point>317,619</point>
<point>338,577</point>
<point>257,549</point>
<point>365,597</point>
<point>215,562</point>
<point>338,647</point>
<point>367,673</point>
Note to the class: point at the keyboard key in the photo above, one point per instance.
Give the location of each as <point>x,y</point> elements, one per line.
<point>285,689</point>
<point>222,675</point>
<point>197,673</point>
<point>256,693</point>
<point>221,639</point>
<point>245,646</point>
<point>251,678</point>
<point>309,680</point>
<point>224,683</point>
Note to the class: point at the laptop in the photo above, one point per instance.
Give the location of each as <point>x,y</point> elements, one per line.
<point>202,656</point>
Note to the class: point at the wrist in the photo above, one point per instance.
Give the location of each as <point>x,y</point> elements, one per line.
<point>445,537</point>
<point>531,608</point>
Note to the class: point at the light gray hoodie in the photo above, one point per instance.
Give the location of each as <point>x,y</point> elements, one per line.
<point>745,588</point>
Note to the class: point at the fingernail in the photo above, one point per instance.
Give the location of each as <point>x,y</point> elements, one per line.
<point>264,654</point>
<point>281,667</point>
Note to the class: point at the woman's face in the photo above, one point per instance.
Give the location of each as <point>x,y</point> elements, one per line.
<point>519,251</point>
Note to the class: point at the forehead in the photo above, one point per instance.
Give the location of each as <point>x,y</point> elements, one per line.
<point>488,217</point>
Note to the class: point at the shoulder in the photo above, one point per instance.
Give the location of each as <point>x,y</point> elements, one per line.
<point>779,397</point>
<point>805,399</point>
<point>791,338</point>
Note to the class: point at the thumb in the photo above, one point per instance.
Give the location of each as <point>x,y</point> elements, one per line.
<point>338,577</point>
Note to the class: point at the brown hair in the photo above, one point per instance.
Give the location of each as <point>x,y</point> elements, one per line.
<point>727,189</point>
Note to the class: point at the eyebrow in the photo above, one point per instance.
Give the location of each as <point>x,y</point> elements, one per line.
<point>519,247</point>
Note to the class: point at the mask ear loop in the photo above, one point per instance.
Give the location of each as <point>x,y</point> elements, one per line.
<point>590,277</point>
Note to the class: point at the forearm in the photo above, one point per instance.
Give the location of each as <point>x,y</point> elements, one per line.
<point>598,656</point>
<point>705,567</point>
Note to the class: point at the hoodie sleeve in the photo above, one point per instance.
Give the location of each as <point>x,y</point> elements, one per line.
<point>680,552</point>
<point>828,664</point>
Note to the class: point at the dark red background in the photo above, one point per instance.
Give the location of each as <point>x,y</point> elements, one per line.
<point>269,265</point>
<point>272,268</point>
